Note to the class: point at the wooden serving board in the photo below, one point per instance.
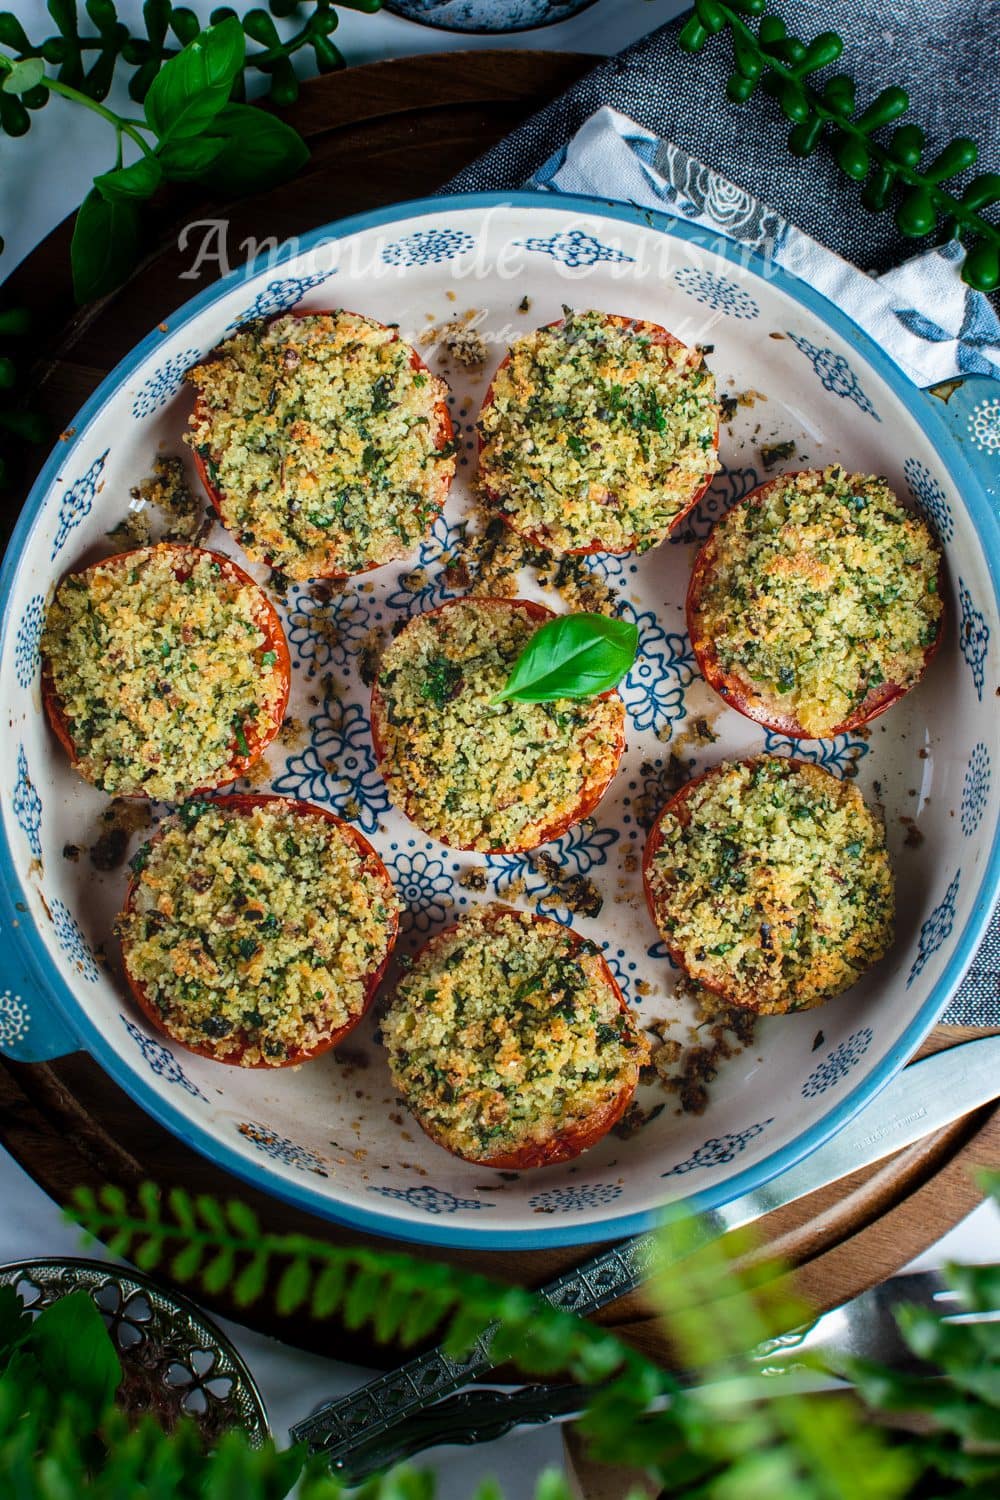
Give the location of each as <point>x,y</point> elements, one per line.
<point>381,133</point>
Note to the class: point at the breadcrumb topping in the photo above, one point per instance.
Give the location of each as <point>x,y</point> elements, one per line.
<point>819,593</point>
<point>472,773</point>
<point>162,664</point>
<point>253,931</point>
<point>508,1030</point>
<point>598,431</point>
<point>772,884</point>
<point>326,438</point>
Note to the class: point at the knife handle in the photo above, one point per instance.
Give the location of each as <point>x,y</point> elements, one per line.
<point>479,1415</point>
<point>336,1428</point>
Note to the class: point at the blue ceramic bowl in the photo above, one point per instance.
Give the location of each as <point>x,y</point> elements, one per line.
<point>329,1136</point>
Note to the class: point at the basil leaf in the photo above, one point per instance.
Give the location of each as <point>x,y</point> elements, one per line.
<point>188,160</point>
<point>104,245</point>
<point>190,90</point>
<point>140,180</point>
<point>573,656</point>
<point>76,1354</point>
<point>24,76</point>
<point>260,150</point>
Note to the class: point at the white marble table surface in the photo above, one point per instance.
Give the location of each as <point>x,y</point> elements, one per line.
<point>41,178</point>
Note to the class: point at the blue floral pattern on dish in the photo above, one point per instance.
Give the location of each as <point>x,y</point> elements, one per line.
<point>162,1062</point>
<point>325,632</point>
<point>423,883</point>
<point>580,850</point>
<point>72,941</point>
<point>77,501</point>
<point>427,247</point>
<point>835,374</point>
<point>15,1020</point>
<point>622,967</point>
<point>574,248</point>
<point>27,805</point>
<point>717,292</point>
<point>935,930</point>
<point>653,691</point>
<point>973,638</point>
<point>26,641</point>
<point>164,383</point>
<point>727,488</point>
<point>417,590</point>
<point>718,1150</point>
<point>612,568</point>
<point>975,789</point>
<point>567,1200</point>
<point>838,1063</point>
<point>839,755</point>
<point>338,767</point>
<point>930,497</point>
<point>487,15</point>
<point>280,1148</point>
<point>984,425</point>
<point>280,295</point>
<point>660,950</point>
<point>431,1199</point>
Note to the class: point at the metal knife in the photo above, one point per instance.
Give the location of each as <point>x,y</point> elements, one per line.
<point>921,1098</point>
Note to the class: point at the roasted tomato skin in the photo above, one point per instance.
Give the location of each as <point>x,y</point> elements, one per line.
<point>245,802</point>
<point>558,826</point>
<point>568,1143</point>
<point>274,640</point>
<point>658,335</point>
<point>445,435</point>
<point>734,692</point>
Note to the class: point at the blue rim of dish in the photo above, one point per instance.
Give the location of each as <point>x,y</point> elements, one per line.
<point>57,993</point>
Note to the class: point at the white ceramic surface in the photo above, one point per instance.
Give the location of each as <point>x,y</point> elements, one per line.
<point>329,1135</point>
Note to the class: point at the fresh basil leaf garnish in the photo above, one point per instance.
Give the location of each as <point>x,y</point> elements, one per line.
<point>572,656</point>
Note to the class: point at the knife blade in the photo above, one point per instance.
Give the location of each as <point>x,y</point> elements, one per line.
<point>920,1099</point>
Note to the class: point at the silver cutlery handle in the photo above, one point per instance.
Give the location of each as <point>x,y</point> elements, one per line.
<point>336,1428</point>
<point>479,1415</point>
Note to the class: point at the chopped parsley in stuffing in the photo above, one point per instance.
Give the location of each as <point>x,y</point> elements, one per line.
<point>772,885</point>
<point>598,432</point>
<point>475,774</point>
<point>162,680</point>
<point>330,449</point>
<point>507,1031</point>
<point>253,932</point>
<point>819,594</point>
